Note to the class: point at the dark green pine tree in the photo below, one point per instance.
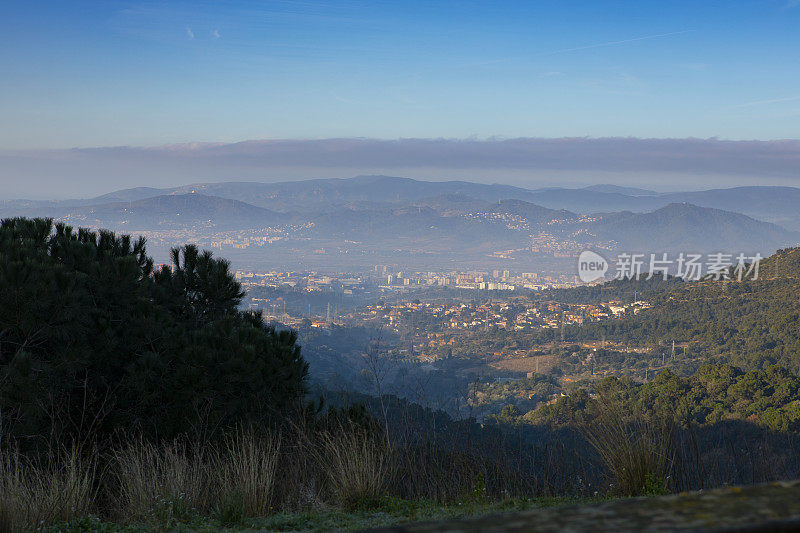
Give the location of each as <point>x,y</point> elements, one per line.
<point>94,341</point>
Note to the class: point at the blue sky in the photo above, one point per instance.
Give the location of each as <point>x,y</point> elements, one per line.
<point>102,73</point>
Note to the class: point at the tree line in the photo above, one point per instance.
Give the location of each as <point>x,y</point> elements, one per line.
<point>95,339</point>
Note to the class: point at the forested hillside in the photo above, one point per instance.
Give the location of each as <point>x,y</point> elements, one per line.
<point>715,393</point>
<point>752,324</point>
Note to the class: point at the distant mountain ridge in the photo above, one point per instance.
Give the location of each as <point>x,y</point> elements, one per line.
<point>173,210</point>
<point>127,195</point>
<point>683,227</point>
<point>388,216</point>
<point>360,188</point>
<point>616,189</point>
<point>454,203</point>
<point>774,204</point>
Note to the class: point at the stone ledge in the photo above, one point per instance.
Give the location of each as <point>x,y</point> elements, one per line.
<point>769,507</point>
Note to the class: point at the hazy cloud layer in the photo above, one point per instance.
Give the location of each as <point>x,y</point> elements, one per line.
<point>658,163</point>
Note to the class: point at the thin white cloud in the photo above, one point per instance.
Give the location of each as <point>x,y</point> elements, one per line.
<point>511,59</point>
<point>770,101</point>
<point>614,43</point>
<point>215,34</point>
<point>189,33</point>
<point>695,66</point>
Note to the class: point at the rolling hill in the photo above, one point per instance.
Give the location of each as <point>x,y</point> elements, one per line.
<point>684,227</point>
<point>173,211</point>
<point>534,214</point>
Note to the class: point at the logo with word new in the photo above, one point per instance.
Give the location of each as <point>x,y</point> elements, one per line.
<point>591,266</point>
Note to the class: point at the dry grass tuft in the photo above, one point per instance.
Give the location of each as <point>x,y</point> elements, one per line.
<point>173,483</point>
<point>638,451</point>
<point>162,483</point>
<point>34,495</point>
<point>248,465</point>
<point>357,464</point>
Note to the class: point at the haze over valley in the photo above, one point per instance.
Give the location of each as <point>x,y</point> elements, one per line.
<point>354,224</point>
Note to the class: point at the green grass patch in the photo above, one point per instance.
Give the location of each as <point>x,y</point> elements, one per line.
<point>388,511</point>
